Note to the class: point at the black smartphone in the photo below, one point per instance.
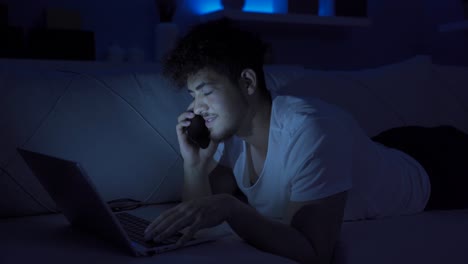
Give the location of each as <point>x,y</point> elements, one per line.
<point>198,133</point>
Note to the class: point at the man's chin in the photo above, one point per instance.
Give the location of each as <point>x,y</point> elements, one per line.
<point>217,138</point>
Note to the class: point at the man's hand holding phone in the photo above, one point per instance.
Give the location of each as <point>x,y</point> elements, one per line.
<point>192,153</point>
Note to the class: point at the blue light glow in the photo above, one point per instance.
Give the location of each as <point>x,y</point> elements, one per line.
<point>261,6</point>
<point>326,8</point>
<point>201,7</point>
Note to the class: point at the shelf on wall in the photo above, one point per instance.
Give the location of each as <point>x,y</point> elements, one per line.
<point>254,17</point>
<point>454,26</point>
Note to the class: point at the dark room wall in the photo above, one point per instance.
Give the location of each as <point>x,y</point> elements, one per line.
<point>400,29</point>
<point>446,47</point>
<point>127,23</point>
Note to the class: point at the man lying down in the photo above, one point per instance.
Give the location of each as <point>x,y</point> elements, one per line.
<point>285,172</point>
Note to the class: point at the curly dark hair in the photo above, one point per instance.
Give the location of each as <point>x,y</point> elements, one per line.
<point>218,46</point>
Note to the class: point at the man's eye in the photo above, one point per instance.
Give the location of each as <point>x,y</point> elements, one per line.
<point>207,93</point>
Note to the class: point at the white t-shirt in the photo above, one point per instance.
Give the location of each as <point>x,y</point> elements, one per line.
<point>316,150</point>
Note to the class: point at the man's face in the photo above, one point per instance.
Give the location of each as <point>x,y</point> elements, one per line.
<point>219,101</point>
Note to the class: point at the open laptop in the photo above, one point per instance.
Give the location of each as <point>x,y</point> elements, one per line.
<point>77,198</point>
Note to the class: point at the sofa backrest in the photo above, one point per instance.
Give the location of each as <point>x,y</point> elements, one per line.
<point>119,125</point>
<point>412,92</point>
<point>119,122</point>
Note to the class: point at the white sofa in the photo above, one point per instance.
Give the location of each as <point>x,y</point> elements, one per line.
<point>119,121</point>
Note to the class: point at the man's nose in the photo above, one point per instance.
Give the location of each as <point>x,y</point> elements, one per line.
<point>199,107</point>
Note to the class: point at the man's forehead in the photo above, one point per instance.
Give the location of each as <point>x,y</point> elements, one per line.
<point>202,76</point>
<point>204,73</point>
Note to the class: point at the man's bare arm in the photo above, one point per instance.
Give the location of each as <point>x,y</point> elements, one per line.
<point>214,179</point>
<point>310,237</point>
<point>196,182</point>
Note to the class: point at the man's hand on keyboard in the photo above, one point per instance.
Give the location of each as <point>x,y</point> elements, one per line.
<point>191,216</point>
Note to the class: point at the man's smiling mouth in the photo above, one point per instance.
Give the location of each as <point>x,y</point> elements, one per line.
<point>209,120</point>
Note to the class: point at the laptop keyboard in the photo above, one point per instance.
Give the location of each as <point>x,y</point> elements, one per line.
<point>135,228</point>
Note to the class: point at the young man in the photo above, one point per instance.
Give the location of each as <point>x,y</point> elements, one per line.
<point>289,170</point>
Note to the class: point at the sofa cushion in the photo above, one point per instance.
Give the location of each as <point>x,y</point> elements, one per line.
<point>119,126</point>
<point>27,98</point>
<point>410,92</point>
<point>278,76</point>
<point>97,126</point>
<point>159,104</point>
<point>414,92</point>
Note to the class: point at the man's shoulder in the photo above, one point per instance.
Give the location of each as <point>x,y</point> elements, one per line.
<point>290,113</point>
<point>290,104</point>
<point>294,115</point>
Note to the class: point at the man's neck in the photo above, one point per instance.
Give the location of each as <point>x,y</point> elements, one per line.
<point>257,136</point>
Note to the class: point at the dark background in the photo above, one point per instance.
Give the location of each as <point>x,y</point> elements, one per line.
<point>400,29</point>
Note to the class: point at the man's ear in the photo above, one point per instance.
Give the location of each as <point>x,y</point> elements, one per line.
<point>249,80</point>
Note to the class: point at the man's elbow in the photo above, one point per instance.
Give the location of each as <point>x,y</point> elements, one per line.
<point>310,255</point>
<point>307,258</point>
